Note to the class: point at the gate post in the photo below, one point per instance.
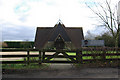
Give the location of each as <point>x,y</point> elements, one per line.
<point>28,56</point>
<point>79,56</point>
<point>43,57</point>
<point>40,57</point>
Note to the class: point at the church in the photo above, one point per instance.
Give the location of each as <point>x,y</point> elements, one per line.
<point>59,37</point>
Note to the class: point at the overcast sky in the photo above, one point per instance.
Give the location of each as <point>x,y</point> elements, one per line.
<point>19,18</point>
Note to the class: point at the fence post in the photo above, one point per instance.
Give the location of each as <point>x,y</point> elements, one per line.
<point>79,56</point>
<point>43,56</point>
<point>28,57</point>
<point>81,60</point>
<point>104,55</point>
<point>40,57</point>
<point>118,54</point>
<point>116,49</point>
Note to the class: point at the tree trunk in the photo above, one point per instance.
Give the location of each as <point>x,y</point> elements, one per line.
<point>117,39</point>
<point>116,42</point>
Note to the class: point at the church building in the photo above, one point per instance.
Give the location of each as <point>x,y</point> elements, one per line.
<point>58,37</point>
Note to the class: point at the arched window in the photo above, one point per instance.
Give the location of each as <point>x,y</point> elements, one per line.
<point>59,43</point>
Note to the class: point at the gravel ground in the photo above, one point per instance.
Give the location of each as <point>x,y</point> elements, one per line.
<point>64,71</point>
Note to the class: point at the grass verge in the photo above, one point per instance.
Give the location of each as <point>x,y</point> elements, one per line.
<point>25,66</point>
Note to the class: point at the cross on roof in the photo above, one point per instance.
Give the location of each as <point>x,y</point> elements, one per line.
<point>59,21</point>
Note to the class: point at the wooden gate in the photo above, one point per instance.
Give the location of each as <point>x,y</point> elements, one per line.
<point>61,57</point>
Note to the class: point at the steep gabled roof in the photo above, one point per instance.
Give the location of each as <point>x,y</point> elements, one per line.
<point>59,30</point>
<point>42,35</point>
<point>76,35</point>
<point>49,34</point>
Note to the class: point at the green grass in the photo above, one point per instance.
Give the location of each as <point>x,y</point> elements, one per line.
<point>109,57</point>
<point>90,57</point>
<point>70,53</point>
<point>24,66</point>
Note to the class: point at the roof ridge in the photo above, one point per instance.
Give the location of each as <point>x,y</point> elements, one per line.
<point>55,27</point>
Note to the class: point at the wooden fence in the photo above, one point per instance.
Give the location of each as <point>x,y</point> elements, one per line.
<point>80,55</point>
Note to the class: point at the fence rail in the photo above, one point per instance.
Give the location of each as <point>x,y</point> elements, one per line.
<point>102,53</point>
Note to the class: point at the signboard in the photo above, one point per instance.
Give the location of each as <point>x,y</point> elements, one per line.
<point>86,43</point>
<point>118,13</point>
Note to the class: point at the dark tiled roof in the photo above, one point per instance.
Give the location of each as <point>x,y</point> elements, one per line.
<point>42,35</point>
<point>45,34</point>
<point>76,35</point>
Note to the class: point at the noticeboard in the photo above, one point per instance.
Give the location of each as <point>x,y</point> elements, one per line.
<point>86,43</point>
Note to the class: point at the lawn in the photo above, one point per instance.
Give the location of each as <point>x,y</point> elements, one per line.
<point>25,66</point>
<point>90,57</point>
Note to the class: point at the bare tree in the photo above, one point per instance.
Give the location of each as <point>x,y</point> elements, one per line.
<point>90,36</point>
<point>108,16</point>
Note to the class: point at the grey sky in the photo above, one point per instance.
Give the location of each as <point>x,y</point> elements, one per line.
<point>19,18</point>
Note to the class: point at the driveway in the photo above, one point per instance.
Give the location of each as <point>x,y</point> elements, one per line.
<point>65,71</point>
